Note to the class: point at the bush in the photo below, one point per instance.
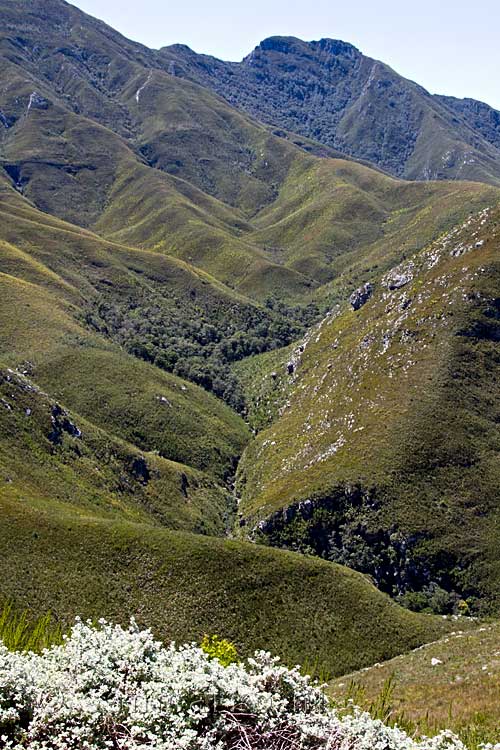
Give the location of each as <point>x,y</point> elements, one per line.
<point>221,649</point>
<point>109,687</point>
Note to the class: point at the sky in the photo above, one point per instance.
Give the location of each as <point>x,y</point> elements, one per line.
<point>449,46</point>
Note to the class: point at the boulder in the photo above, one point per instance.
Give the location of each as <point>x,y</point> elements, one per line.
<point>359,297</point>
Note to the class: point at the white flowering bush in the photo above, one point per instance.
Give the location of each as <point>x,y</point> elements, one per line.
<point>110,688</point>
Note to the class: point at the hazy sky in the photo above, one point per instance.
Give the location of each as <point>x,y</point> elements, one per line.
<point>448,46</point>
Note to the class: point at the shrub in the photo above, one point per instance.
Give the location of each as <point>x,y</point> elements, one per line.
<point>109,687</point>
<point>221,649</point>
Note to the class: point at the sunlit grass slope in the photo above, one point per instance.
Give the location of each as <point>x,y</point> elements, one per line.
<point>388,426</point>
<point>453,683</point>
<point>320,614</point>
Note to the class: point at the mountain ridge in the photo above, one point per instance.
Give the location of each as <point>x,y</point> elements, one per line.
<point>328,90</point>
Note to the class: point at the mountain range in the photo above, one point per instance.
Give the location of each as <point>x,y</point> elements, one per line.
<point>249,331</point>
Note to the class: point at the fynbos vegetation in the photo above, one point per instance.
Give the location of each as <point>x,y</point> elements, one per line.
<point>248,386</point>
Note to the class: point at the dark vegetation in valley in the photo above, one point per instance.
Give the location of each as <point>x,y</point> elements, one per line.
<point>348,528</point>
<point>195,342</point>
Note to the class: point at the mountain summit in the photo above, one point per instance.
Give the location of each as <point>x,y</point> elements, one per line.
<point>329,91</point>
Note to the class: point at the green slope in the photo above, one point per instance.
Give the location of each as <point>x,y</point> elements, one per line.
<point>49,454</point>
<point>183,586</point>
<point>385,451</point>
<point>132,412</point>
<point>85,515</point>
<point>337,220</point>
<point>452,684</point>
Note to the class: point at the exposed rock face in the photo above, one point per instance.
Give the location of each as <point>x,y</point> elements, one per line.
<point>399,280</point>
<point>361,296</point>
<point>140,470</point>
<point>62,424</point>
<point>36,101</point>
<point>399,276</point>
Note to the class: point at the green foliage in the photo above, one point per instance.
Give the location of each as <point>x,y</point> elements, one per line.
<point>266,384</point>
<point>221,649</point>
<point>433,598</point>
<point>20,632</point>
<point>195,339</point>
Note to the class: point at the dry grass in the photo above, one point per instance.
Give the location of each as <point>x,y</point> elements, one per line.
<point>453,683</point>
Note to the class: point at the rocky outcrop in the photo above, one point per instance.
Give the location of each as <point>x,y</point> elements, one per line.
<point>61,424</point>
<point>140,470</point>
<point>361,296</point>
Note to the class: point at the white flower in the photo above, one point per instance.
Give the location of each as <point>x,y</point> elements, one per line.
<point>114,687</point>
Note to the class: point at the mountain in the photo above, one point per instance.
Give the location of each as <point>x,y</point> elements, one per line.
<point>329,91</point>
<point>153,240</point>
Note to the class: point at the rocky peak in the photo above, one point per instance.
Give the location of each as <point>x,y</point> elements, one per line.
<point>337,48</point>
<point>289,45</point>
<point>285,44</point>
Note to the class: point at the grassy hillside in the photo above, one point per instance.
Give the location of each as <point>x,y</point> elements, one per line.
<point>365,471</point>
<point>355,221</point>
<point>72,562</point>
<point>101,453</point>
<point>48,453</point>
<point>116,391</point>
<point>453,683</point>
<point>88,485</point>
<point>153,446</point>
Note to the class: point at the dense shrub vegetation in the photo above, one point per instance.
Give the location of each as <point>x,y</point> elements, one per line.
<point>347,527</point>
<point>109,687</point>
<point>196,340</point>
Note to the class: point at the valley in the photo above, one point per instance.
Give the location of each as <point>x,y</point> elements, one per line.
<point>248,365</point>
